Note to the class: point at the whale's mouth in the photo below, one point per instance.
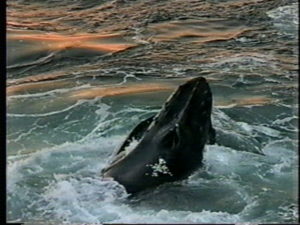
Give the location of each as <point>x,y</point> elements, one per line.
<point>123,151</point>
<point>107,178</point>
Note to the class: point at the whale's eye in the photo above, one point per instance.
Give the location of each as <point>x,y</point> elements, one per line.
<point>172,138</point>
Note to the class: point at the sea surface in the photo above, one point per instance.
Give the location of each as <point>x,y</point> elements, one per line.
<point>81,74</point>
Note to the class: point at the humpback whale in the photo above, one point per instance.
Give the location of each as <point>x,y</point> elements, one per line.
<point>168,146</point>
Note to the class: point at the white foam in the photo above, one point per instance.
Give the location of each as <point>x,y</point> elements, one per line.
<point>280,149</point>
<point>49,93</point>
<point>82,199</point>
<point>160,168</point>
<point>285,12</point>
<point>289,212</point>
<point>286,18</point>
<point>74,193</point>
<point>36,161</point>
<point>244,61</point>
<point>266,130</point>
<point>79,102</point>
<point>284,120</point>
<point>175,216</point>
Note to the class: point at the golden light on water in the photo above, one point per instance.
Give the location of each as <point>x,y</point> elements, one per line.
<point>120,90</point>
<point>95,42</point>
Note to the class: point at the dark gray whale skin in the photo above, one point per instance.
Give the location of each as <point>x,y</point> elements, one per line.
<point>169,145</point>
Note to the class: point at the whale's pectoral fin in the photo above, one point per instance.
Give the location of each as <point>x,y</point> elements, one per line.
<point>136,133</point>
<point>211,135</point>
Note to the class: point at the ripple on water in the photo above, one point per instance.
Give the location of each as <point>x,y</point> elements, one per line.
<point>196,31</point>
<point>58,144</point>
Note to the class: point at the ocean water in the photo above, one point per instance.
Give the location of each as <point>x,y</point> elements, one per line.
<point>82,74</point>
